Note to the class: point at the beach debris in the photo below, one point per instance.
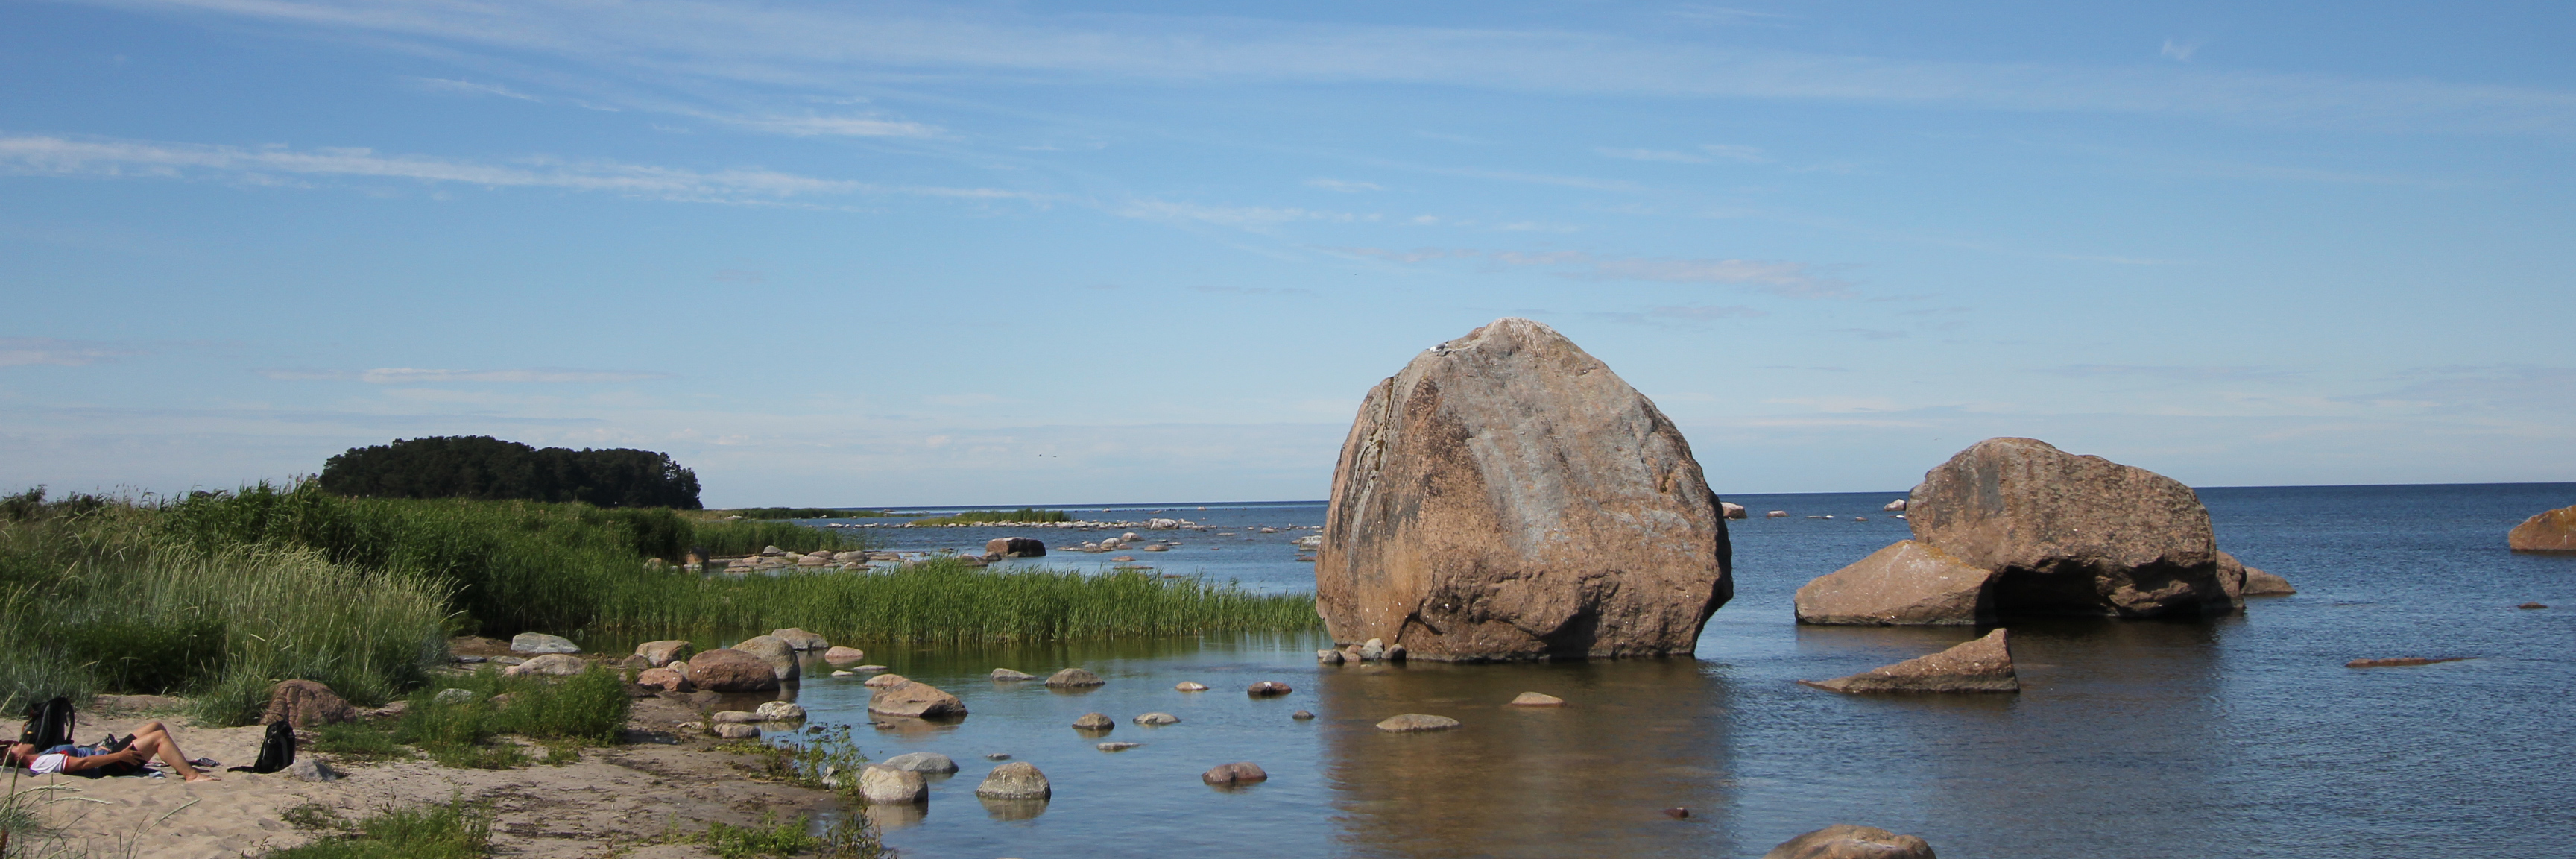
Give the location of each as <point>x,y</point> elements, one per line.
<point>1015,780</point>
<point>1843,841</point>
<point>1411,722</point>
<point>1074,678</point>
<point>918,700</point>
<point>1553,432</point>
<point>1536,699</point>
<point>1094,722</point>
<point>533,643</point>
<point>1268,689</point>
<point>922,762</point>
<point>1982,665</point>
<point>883,784</point>
<point>1237,773</point>
<point>2404,661</point>
<point>1155,720</point>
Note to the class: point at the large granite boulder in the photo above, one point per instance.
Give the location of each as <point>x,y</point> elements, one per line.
<point>662,653</point>
<point>2553,531</point>
<point>886,785</point>
<point>1845,841</point>
<point>728,670</point>
<point>1983,665</point>
<point>1015,547</point>
<point>776,652</point>
<point>2070,535</point>
<point>1507,497</point>
<point>918,700</point>
<point>1909,583</point>
<point>306,704</point>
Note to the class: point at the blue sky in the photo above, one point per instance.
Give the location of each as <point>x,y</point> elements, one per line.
<point>862,253</point>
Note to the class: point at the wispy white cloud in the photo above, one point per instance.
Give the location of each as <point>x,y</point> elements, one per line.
<point>35,351</point>
<point>2178,373</point>
<point>847,45</point>
<point>1344,186</point>
<point>419,376</point>
<point>444,85</point>
<point>38,155</point>
<point>833,126</point>
<point>1246,217</point>
<point>2182,51</point>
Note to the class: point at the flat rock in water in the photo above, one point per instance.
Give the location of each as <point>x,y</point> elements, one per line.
<point>1074,678</point>
<point>538,642</point>
<point>2071,535</point>
<point>2403,661</point>
<point>922,762</point>
<point>780,711</point>
<point>1906,584</point>
<point>1151,719</point>
<point>918,700</point>
<point>1239,772</point>
<point>1467,510</point>
<point>1116,746</point>
<point>798,639</point>
<point>1409,722</point>
<point>1008,674</point>
<point>2243,581</point>
<point>867,668</point>
<point>2552,531</point>
<point>1015,780</point>
<point>1190,686</point>
<point>1983,665</point>
<point>1535,699</point>
<point>884,680</point>
<point>1301,715</point>
<point>2531,605</point>
<point>891,785</point>
<point>729,670</point>
<point>1094,722</point>
<point>1845,841</point>
<point>842,655</point>
<point>1268,689</point>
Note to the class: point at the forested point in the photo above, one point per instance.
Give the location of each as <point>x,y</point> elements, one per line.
<point>487,468</point>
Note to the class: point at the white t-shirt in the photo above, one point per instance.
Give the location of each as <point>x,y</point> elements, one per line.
<point>49,763</point>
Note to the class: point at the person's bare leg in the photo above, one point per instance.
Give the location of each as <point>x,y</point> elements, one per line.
<point>159,743</point>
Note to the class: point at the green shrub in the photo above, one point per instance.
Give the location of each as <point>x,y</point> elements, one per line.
<point>455,829</point>
<point>771,838</point>
<point>590,707</point>
<point>356,741</point>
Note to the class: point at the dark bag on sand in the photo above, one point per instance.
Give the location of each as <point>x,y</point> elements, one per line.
<point>49,724</point>
<point>276,752</point>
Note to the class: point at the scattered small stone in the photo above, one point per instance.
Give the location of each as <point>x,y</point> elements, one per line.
<point>1116,746</point>
<point>310,768</point>
<point>1394,653</point>
<point>452,696</point>
<point>690,727</point>
<point>2531,605</point>
<point>1094,722</point>
<point>1409,722</point>
<point>838,655</point>
<point>1190,686</point>
<point>1074,678</point>
<point>844,673</point>
<point>869,668</point>
<point>1373,650</point>
<point>997,756</point>
<point>780,711</point>
<point>922,762</point>
<point>887,785</point>
<point>732,731</point>
<point>884,680</point>
<point>1240,772</point>
<point>661,653</point>
<point>1301,715</point>
<point>1008,674</point>
<point>1535,699</point>
<point>1677,812</point>
<point>1268,689</point>
<point>734,717</point>
<point>1151,719</point>
<point>1329,657</point>
<point>1015,780</point>
<point>2402,661</point>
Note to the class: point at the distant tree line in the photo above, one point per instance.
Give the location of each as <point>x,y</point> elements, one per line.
<point>488,468</point>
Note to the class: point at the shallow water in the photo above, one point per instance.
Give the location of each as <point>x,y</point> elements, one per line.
<point>2238,736</point>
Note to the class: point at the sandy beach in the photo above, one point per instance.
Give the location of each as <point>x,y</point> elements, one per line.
<point>616,801</point>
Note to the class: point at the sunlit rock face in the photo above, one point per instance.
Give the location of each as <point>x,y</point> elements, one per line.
<point>2071,535</point>
<point>1508,497</point>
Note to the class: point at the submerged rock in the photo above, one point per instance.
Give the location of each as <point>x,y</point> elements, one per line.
<point>1015,780</point>
<point>922,762</point>
<point>1190,686</point>
<point>1507,496</point>
<point>1301,715</point>
<point>2071,535</point>
<point>1074,678</point>
<point>1983,665</point>
<point>1094,722</point>
<point>1535,699</point>
<point>1845,841</point>
<point>1907,583</point>
<point>2243,581</point>
<point>1116,746</point>
<point>1410,722</point>
<point>1156,719</point>
<point>918,700</point>
<point>2551,531</point>
<point>1008,674</point>
<point>2403,661</point>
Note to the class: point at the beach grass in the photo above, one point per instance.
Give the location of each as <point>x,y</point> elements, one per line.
<point>749,536</point>
<point>949,600</point>
<point>456,829</point>
<point>1024,514</point>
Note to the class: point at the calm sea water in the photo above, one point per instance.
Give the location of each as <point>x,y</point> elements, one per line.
<point>2238,736</point>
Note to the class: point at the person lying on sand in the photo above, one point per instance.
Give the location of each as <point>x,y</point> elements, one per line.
<point>150,739</point>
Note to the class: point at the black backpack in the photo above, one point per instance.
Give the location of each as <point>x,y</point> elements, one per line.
<point>276,752</point>
<point>49,724</point>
